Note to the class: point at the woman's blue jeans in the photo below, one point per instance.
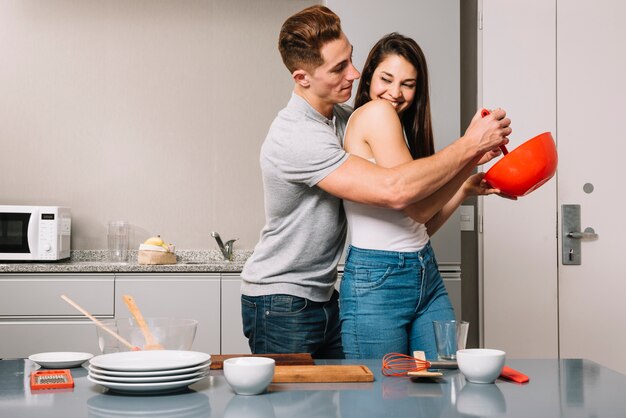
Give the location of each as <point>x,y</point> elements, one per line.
<point>389,301</point>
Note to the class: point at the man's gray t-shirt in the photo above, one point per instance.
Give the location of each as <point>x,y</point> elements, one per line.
<point>305,227</point>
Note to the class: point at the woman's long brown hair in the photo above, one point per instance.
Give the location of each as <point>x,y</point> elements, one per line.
<point>416,119</point>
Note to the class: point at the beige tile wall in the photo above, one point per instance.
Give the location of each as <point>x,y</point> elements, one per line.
<point>151,111</point>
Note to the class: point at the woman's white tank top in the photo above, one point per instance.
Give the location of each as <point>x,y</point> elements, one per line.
<point>378,228</point>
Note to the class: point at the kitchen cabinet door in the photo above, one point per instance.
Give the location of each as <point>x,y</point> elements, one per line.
<point>39,295</point>
<point>34,319</point>
<point>21,338</point>
<point>187,296</point>
<point>233,340</point>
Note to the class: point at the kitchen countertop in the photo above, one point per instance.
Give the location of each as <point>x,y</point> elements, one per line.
<point>95,261</point>
<point>557,388</point>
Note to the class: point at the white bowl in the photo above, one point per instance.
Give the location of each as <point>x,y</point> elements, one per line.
<point>480,365</point>
<point>249,375</point>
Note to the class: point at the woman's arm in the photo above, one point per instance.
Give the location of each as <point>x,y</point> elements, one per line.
<point>424,210</point>
<point>473,186</point>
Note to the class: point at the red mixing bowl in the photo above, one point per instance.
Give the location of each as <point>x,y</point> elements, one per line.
<point>526,167</point>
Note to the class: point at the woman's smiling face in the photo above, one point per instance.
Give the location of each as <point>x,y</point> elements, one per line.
<point>394,80</point>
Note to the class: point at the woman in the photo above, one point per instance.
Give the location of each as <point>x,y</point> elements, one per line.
<point>391,289</point>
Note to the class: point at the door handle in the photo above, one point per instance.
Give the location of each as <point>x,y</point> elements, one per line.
<point>570,229</point>
<point>587,234</point>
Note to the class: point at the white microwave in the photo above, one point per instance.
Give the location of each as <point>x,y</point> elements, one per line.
<point>35,233</point>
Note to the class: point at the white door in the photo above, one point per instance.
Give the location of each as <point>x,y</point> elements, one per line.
<point>564,73</point>
<point>519,244</point>
<point>591,86</point>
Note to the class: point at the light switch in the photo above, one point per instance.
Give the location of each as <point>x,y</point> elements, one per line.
<point>467,217</point>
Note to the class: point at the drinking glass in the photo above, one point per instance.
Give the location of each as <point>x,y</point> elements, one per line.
<point>117,240</point>
<point>450,336</point>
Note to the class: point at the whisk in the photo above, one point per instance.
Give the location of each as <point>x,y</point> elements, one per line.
<point>397,364</point>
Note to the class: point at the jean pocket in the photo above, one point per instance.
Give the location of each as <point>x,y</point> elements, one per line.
<point>249,319</point>
<point>285,305</point>
<point>247,302</point>
<point>371,277</point>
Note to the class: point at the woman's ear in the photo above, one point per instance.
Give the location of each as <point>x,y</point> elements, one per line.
<point>301,77</point>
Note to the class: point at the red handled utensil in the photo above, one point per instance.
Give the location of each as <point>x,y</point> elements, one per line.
<point>514,375</point>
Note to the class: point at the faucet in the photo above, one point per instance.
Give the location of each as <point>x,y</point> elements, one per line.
<point>227,249</point>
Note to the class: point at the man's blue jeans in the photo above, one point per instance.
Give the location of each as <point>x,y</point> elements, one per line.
<point>290,324</point>
<point>389,301</point>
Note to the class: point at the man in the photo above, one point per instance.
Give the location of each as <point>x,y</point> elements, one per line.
<point>289,303</point>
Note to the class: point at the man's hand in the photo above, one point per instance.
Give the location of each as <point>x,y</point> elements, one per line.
<point>488,133</point>
<point>489,155</point>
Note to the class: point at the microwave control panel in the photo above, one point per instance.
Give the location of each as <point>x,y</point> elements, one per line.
<point>47,236</point>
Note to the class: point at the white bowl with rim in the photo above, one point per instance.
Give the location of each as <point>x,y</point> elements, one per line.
<point>480,365</point>
<point>249,375</point>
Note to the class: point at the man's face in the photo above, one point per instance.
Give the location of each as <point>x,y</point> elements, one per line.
<point>332,81</point>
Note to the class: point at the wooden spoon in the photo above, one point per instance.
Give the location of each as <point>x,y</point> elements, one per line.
<point>151,342</point>
<point>100,324</point>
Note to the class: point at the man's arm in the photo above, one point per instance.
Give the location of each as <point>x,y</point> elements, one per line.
<point>362,181</point>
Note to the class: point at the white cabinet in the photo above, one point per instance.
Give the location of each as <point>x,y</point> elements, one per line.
<point>33,317</point>
<point>233,340</point>
<point>191,296</point>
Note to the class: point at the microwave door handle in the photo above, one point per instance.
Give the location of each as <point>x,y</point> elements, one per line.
<point>33,233</point>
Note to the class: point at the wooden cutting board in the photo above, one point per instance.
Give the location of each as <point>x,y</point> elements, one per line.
<point>322,374</point>
<point>298,359</point>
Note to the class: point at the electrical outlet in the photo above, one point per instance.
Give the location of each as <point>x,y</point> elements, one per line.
<point>467,217</point>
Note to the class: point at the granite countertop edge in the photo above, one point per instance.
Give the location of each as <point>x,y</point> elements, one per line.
<point>96,261</point>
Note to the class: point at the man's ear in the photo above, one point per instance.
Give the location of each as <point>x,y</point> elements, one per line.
<point>301,77</point>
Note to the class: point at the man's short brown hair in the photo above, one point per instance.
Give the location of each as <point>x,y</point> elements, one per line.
<point>303,35</point>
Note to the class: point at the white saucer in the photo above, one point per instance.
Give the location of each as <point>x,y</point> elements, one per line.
<point>146,387</point>
<point>200,367</point>
<point>60,360</point>
<point>143,361</point>
<point>147,379</point>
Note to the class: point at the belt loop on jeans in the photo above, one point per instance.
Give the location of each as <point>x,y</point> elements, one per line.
<point>400,260</point>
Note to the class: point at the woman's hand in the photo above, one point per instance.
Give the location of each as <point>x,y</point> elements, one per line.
<point>476,185</point>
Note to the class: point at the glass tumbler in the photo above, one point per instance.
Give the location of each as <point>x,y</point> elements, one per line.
<point>117,241</point>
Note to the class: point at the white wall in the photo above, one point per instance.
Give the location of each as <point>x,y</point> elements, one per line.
<point>435,26</point>
<point>151,111</point>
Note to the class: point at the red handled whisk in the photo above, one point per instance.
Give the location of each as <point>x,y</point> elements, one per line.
<point>397,364</point>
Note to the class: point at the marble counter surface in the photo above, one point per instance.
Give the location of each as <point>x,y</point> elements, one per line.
<point>95,261</point>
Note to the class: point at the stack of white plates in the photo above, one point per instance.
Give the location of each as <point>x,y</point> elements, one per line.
<point>149,371</point>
